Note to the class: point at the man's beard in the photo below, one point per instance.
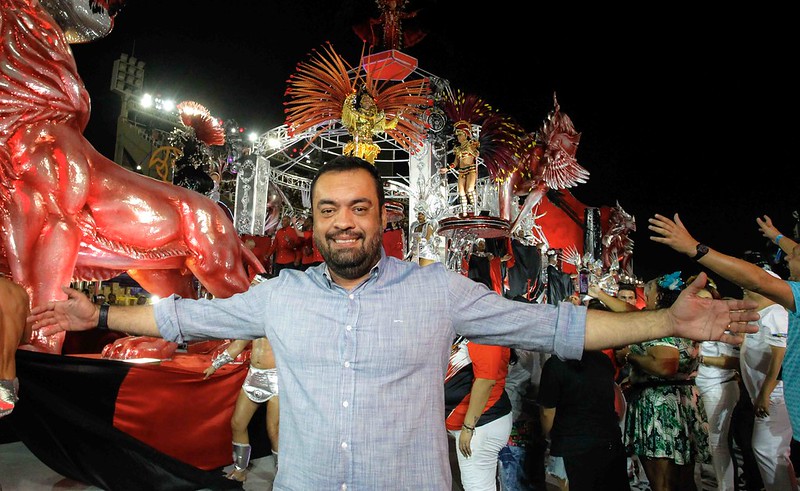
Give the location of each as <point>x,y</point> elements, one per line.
<point>352,263</point>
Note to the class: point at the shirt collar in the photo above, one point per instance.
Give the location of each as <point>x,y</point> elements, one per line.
<point>373,273</point>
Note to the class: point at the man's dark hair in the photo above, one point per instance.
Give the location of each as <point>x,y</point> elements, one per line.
<point>343,164</point>
<point>597,304</point>
<point>627,286</point>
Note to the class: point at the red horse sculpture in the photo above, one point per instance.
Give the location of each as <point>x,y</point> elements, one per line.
<point>70,213</point>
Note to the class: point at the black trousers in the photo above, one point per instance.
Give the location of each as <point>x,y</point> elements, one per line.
<point>600,469</point>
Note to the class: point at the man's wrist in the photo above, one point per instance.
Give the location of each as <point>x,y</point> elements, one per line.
<point>700,251</point>
<point>777,239</point>
<point>102,317</point>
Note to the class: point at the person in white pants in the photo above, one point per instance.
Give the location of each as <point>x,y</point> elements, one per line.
<point>762,355</point>
<point>716,381</point>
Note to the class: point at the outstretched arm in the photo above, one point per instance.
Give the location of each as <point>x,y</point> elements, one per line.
<point>747,275</point>
<point>78,313</point>
<point>691,316</point>
<point>769,231</point>
<point>613,303</point>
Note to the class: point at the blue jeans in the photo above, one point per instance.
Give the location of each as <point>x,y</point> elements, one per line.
<point>511,461</point>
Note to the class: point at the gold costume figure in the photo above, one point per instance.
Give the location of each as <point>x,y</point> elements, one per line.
<point>323,93</point>
<point>465,161</point>
<point>362,118</point>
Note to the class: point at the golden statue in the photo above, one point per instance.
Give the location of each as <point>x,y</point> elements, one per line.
<point>323,92</point>
<point>362,118</point>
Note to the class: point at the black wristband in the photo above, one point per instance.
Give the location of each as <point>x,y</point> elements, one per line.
<point>702,250</point>
<point>102,321</point>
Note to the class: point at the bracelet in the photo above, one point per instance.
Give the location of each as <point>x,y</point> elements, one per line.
<point>102,320</point>
<point>223,359</point>
<point>469,428</point>
<point>778,239</point>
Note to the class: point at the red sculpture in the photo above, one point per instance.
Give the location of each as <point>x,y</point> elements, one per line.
<point>70,213</point>
<point>617,245</point>
<point>547,161</point>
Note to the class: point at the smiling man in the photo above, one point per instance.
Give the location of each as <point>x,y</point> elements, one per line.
<point>363,340</point>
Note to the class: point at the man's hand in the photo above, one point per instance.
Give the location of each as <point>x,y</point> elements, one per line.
<point>76,313</point>
<point>673,234</point>
<point>705,319</point>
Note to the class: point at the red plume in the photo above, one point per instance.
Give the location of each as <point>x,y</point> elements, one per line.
<point>206,128</point>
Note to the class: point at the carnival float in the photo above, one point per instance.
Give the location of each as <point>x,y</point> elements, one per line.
<point>71,214</point>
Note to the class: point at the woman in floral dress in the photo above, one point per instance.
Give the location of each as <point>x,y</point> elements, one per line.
<point>665,424</point>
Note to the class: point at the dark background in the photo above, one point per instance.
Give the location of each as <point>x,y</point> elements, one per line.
<point>686,111</point>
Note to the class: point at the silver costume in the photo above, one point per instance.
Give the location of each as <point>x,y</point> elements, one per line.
<point>261,384</point>
<point>421,247</point>
<point>241,455</point>
<point>8,396</point>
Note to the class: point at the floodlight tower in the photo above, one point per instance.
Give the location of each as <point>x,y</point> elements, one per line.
<point>127,79</point>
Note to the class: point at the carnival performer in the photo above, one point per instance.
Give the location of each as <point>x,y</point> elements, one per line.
<point>465,161</point>
<point>324,91</point>
<point>363,119</point>
<point>13,311</point>
<point>497,145</point>
<point>393,34</point>
<point>423,241</point>
<point>259,387</point>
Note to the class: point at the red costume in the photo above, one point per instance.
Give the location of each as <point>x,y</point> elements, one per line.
<point>311,255</point>
<point>286,247</point>
<point>262,248</point>
<point>394,242</point>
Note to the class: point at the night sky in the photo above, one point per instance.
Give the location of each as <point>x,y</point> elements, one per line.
<point>680,111</point>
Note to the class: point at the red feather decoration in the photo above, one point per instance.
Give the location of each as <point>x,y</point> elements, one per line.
<point>318,89</point>
<point>206,128</point>
<point>499,134</point>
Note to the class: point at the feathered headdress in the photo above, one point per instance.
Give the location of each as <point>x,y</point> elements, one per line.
<point>671,281</point>
<point>466,109</point>
<point>318,89</point>
<point>206,128</point>
<point>499,135</point>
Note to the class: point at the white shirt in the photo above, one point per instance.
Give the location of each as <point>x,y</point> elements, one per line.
<point>773,326</point>
<point>708,375</point>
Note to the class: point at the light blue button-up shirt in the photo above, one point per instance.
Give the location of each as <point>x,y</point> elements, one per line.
<point>361,372</point>
<point>791,364</point>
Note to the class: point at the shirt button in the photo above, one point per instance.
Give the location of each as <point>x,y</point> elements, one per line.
<point>344,487</point>
<point>345,404</point>
<point>347,364</point>
<point>351,296</point>
<point>344,444</point>
<point>349,328</point>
